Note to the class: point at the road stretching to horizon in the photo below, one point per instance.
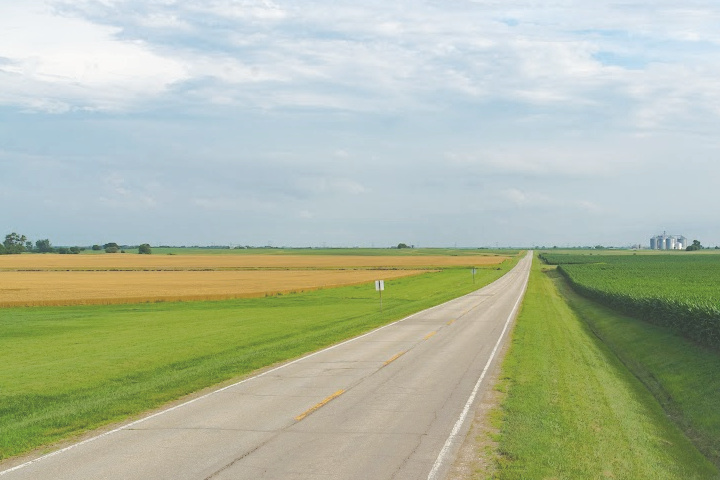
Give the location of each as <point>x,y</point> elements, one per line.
<point>395,403</point>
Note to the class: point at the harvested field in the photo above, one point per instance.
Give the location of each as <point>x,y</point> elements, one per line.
<point>236,262</point>
<point>34,288</point>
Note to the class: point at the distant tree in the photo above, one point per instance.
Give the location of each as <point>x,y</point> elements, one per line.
<point>402,245</point>
<point>96,247</point>
<point>112,249</point>
<point>75,250</point>
<point>599,247</point>
<point>110,245</point>
<point>15,243</point>
<point>63,250</point>
<point>43,246</point>
<point>144,249</point>
<point>695,246</point>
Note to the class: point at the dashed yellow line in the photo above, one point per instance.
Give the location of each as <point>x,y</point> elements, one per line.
<point>394,357</point>
<point>429,335</point>
<point>319,405</point>
<point>451,322</point>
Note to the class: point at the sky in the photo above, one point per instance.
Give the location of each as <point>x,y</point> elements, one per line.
<point>468,123</point>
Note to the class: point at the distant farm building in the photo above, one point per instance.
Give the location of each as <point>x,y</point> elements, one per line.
<point>668,242</point>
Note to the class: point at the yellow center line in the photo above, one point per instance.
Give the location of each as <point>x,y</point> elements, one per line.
<point>319,405</point>
<point>429,335</point>
<point>451,322</point>
<point>395,357</point>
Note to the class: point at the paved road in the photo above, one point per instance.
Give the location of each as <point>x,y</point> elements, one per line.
<point>386,405</point>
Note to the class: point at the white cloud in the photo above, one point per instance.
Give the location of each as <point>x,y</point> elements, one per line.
<point>240,203</point>
<point>374,57</point>
<point>583,159</point>
<point>243,9</point>
<point>54,63</point>
<point>590,207</point>
<point>333,186</point>
<point>160,20</point>
<point>521,198</point>
<point>117,192</point>
<point>676,94</point>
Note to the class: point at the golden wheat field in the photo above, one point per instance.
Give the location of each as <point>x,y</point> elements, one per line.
<point>230,262</point>
<point>108,287</point>
<point>30,280</point>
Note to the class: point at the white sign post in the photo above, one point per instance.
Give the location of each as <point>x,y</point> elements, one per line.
<point>379,287</point>
<point>473,272</point>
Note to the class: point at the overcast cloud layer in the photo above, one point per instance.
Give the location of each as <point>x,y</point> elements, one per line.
<point>338,123</point>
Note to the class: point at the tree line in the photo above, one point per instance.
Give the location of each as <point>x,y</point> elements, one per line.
<point>15,243</point>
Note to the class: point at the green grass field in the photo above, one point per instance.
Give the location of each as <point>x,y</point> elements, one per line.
<point>683,376</point>
<point>573,410</point>
<point>65,370</point>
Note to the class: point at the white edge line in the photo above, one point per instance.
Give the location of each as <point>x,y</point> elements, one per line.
<point>458,425</point>
<point>136,422</point>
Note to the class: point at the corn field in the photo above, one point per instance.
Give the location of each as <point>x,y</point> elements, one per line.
<point>677,291</point>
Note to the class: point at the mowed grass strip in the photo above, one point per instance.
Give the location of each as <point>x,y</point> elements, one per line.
<point>111,287</point>
<point>64,370</point>
<point>682,375</point>
<point>573,410</point>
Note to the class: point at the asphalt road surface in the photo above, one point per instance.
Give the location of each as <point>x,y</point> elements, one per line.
<point>392,404</point>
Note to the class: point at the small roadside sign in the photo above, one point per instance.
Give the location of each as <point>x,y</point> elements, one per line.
<point>379,287</point>
<point>474,270</point>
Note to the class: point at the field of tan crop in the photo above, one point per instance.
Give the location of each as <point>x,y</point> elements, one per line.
<point>29,280</point>
<point>108,287</point>
<point>235,262</point>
